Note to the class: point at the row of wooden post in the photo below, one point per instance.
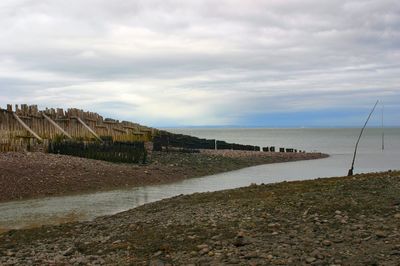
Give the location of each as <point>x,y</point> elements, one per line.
<point>26,125</point>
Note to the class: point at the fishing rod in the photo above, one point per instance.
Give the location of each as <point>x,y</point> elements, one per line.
<point>350,173</point>
<point>383,129</point>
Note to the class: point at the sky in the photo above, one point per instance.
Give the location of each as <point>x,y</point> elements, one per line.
<point>169,63</point>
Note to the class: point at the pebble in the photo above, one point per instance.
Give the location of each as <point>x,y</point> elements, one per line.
<point>69,251</point>
<point>326,243</point>
<point>158,253</point>
<point>381,234</point>
<point>310,259</point>
<point>202,246</point>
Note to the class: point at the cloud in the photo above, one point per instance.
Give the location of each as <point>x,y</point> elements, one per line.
<point>201,62</point>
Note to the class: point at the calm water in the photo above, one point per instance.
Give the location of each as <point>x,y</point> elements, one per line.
<point>339,143</point>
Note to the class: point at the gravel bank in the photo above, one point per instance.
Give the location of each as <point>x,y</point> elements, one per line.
<point>32,175</point>
<point>335,221</point>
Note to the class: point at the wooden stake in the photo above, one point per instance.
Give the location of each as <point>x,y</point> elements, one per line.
<point>26,127</point>
<point>56,125</point>
<point>88,128</point>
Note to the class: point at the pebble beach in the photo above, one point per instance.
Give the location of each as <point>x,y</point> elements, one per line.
<point>329,221</point>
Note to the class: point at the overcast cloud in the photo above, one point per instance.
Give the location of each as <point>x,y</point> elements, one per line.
<point>236,62</point>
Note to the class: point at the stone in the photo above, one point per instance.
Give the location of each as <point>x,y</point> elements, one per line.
<point>251,255</point>
<point>326,243</point>
<point>241,241</point>
<point>158,253</point>
<point>69,251</point>
<point>202,246</point>
<point>310,259</point>
<point>204,251</point>
<point>380,234</point>
<point>157,262</point>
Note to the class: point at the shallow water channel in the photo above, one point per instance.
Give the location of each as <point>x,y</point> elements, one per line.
<point>54,210</point>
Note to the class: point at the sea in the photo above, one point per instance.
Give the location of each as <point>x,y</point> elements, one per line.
<point>339,143</point>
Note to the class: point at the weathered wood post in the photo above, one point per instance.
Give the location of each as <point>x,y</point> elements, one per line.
<point>56,125</point>
<point>88,128</point>
<point>26,127</point>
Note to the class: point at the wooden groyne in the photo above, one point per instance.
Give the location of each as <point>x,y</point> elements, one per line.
<point>163,140</point>
<point>117,152</point>
<point>26,127</point>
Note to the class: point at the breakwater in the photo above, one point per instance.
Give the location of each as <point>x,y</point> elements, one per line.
<point>117,152</point>
<point>28,128</point>
<point>165,140</point>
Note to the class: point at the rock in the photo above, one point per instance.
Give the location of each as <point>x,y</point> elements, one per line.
<point>310,259</point>
<point>202,246</point>
<point>251,255</point>
<point>204,251</point>
<point>157,262</point>
<point>272,225</point>
<point>81,260</point>
<point>242,241</point>
<point>397,216</point>
<point>59,258</point>
<point>216,237</point>
<point>326,243</point>
<point>317,254</point>
<point>69,251</point>
<point>380,234</point>
<point>158,253</point>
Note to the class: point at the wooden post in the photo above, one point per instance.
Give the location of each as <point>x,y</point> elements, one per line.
<point>56,125</point>
<point>26,127</point>
<point>88,128</point>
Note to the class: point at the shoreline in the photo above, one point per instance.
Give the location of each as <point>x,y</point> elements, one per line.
<point>37,175</point>
<point>326,221</point>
